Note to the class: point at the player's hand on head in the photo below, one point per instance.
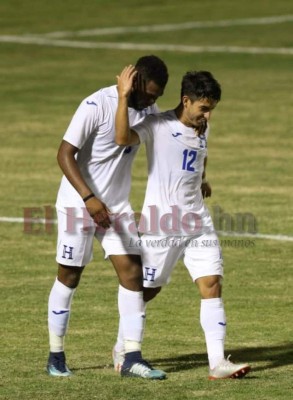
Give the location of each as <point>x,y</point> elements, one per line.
<point>126,81</point>
<point>99,212</point>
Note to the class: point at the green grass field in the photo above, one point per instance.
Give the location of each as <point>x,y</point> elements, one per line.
<point>250,161</point>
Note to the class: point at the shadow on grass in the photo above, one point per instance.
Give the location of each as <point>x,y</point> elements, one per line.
<point>273,356</point>
<point>94,367</point>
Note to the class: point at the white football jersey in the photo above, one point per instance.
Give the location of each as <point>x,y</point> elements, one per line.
<point>105,166</point>
<point>173,202</point>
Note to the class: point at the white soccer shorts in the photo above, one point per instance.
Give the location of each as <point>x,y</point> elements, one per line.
<point>75,239</point>
<point>202,256</point>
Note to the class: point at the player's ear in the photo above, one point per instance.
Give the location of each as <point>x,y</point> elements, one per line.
<point>185,100</point>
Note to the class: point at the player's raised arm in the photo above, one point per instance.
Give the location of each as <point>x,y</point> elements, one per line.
<point>124,136</point>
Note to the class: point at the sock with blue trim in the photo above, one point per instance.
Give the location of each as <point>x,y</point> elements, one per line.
<point>213,322</point>
<point>58,314</point>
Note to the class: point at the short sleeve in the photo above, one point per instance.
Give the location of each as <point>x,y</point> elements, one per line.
<point>145,129</point>
<point>84,122</point>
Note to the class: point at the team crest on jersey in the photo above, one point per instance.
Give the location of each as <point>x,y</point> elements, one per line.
<point>68,252</point>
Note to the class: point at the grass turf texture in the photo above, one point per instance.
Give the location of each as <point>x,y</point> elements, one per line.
<point>249,167</point>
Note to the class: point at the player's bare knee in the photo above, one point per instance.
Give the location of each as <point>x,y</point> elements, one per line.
<point>127,266</point>
<point>211,292</point>
<point>129,271</point>
<point>69,276</point>
<point>210,287</point>
<point>131,282</point>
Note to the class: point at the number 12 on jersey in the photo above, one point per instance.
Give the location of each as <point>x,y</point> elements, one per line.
<point>189,157</point>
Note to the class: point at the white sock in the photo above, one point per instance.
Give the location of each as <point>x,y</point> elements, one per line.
<point>119,345</point>
<point>213,322</point>
<point>56,342</point>
<point>132,317</point>
<point>58,314</point>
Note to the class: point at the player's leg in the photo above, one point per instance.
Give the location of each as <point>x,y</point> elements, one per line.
<point>117,244</point>
<point>158,263</point>
<point>213,322</point>
<point>74,250</point>
<point>205,265</point>
<point>128,268</point>
<point>130,301</point>
<point>59,307</point>
<point>212,317</point>
<point>150,293</point>
<point>131,307</point>
<point>123,344</point>
<point>132,317</point>
<point>118,352</point>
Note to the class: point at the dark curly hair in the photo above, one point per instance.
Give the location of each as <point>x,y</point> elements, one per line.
<point>152,68</point>
<point>200,84</point>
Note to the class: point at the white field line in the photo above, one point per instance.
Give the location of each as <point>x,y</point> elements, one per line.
<point>42,41</point>
<point>283,238</point>
<point>174,27</point>
<point>28,220</point>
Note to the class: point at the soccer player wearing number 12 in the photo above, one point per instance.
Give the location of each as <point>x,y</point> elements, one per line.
<point>176,144</point>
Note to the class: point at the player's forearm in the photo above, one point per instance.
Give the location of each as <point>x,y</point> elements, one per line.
<point>69,167</point>
<point>204,168</point>
<point>122,130</point>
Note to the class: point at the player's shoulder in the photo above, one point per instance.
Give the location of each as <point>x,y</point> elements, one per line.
<point>164,116</point>
<point>109,91</point>
<point>101,100</point>
<point>102,94</point>
<point>168,115</point>
<point>157,121</point>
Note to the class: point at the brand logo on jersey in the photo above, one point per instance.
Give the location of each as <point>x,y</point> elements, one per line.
<point>222,323</point>
<point>127,150</point>
<point>60,312</point>
<point>91,103</point>
<point>176,134</point>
